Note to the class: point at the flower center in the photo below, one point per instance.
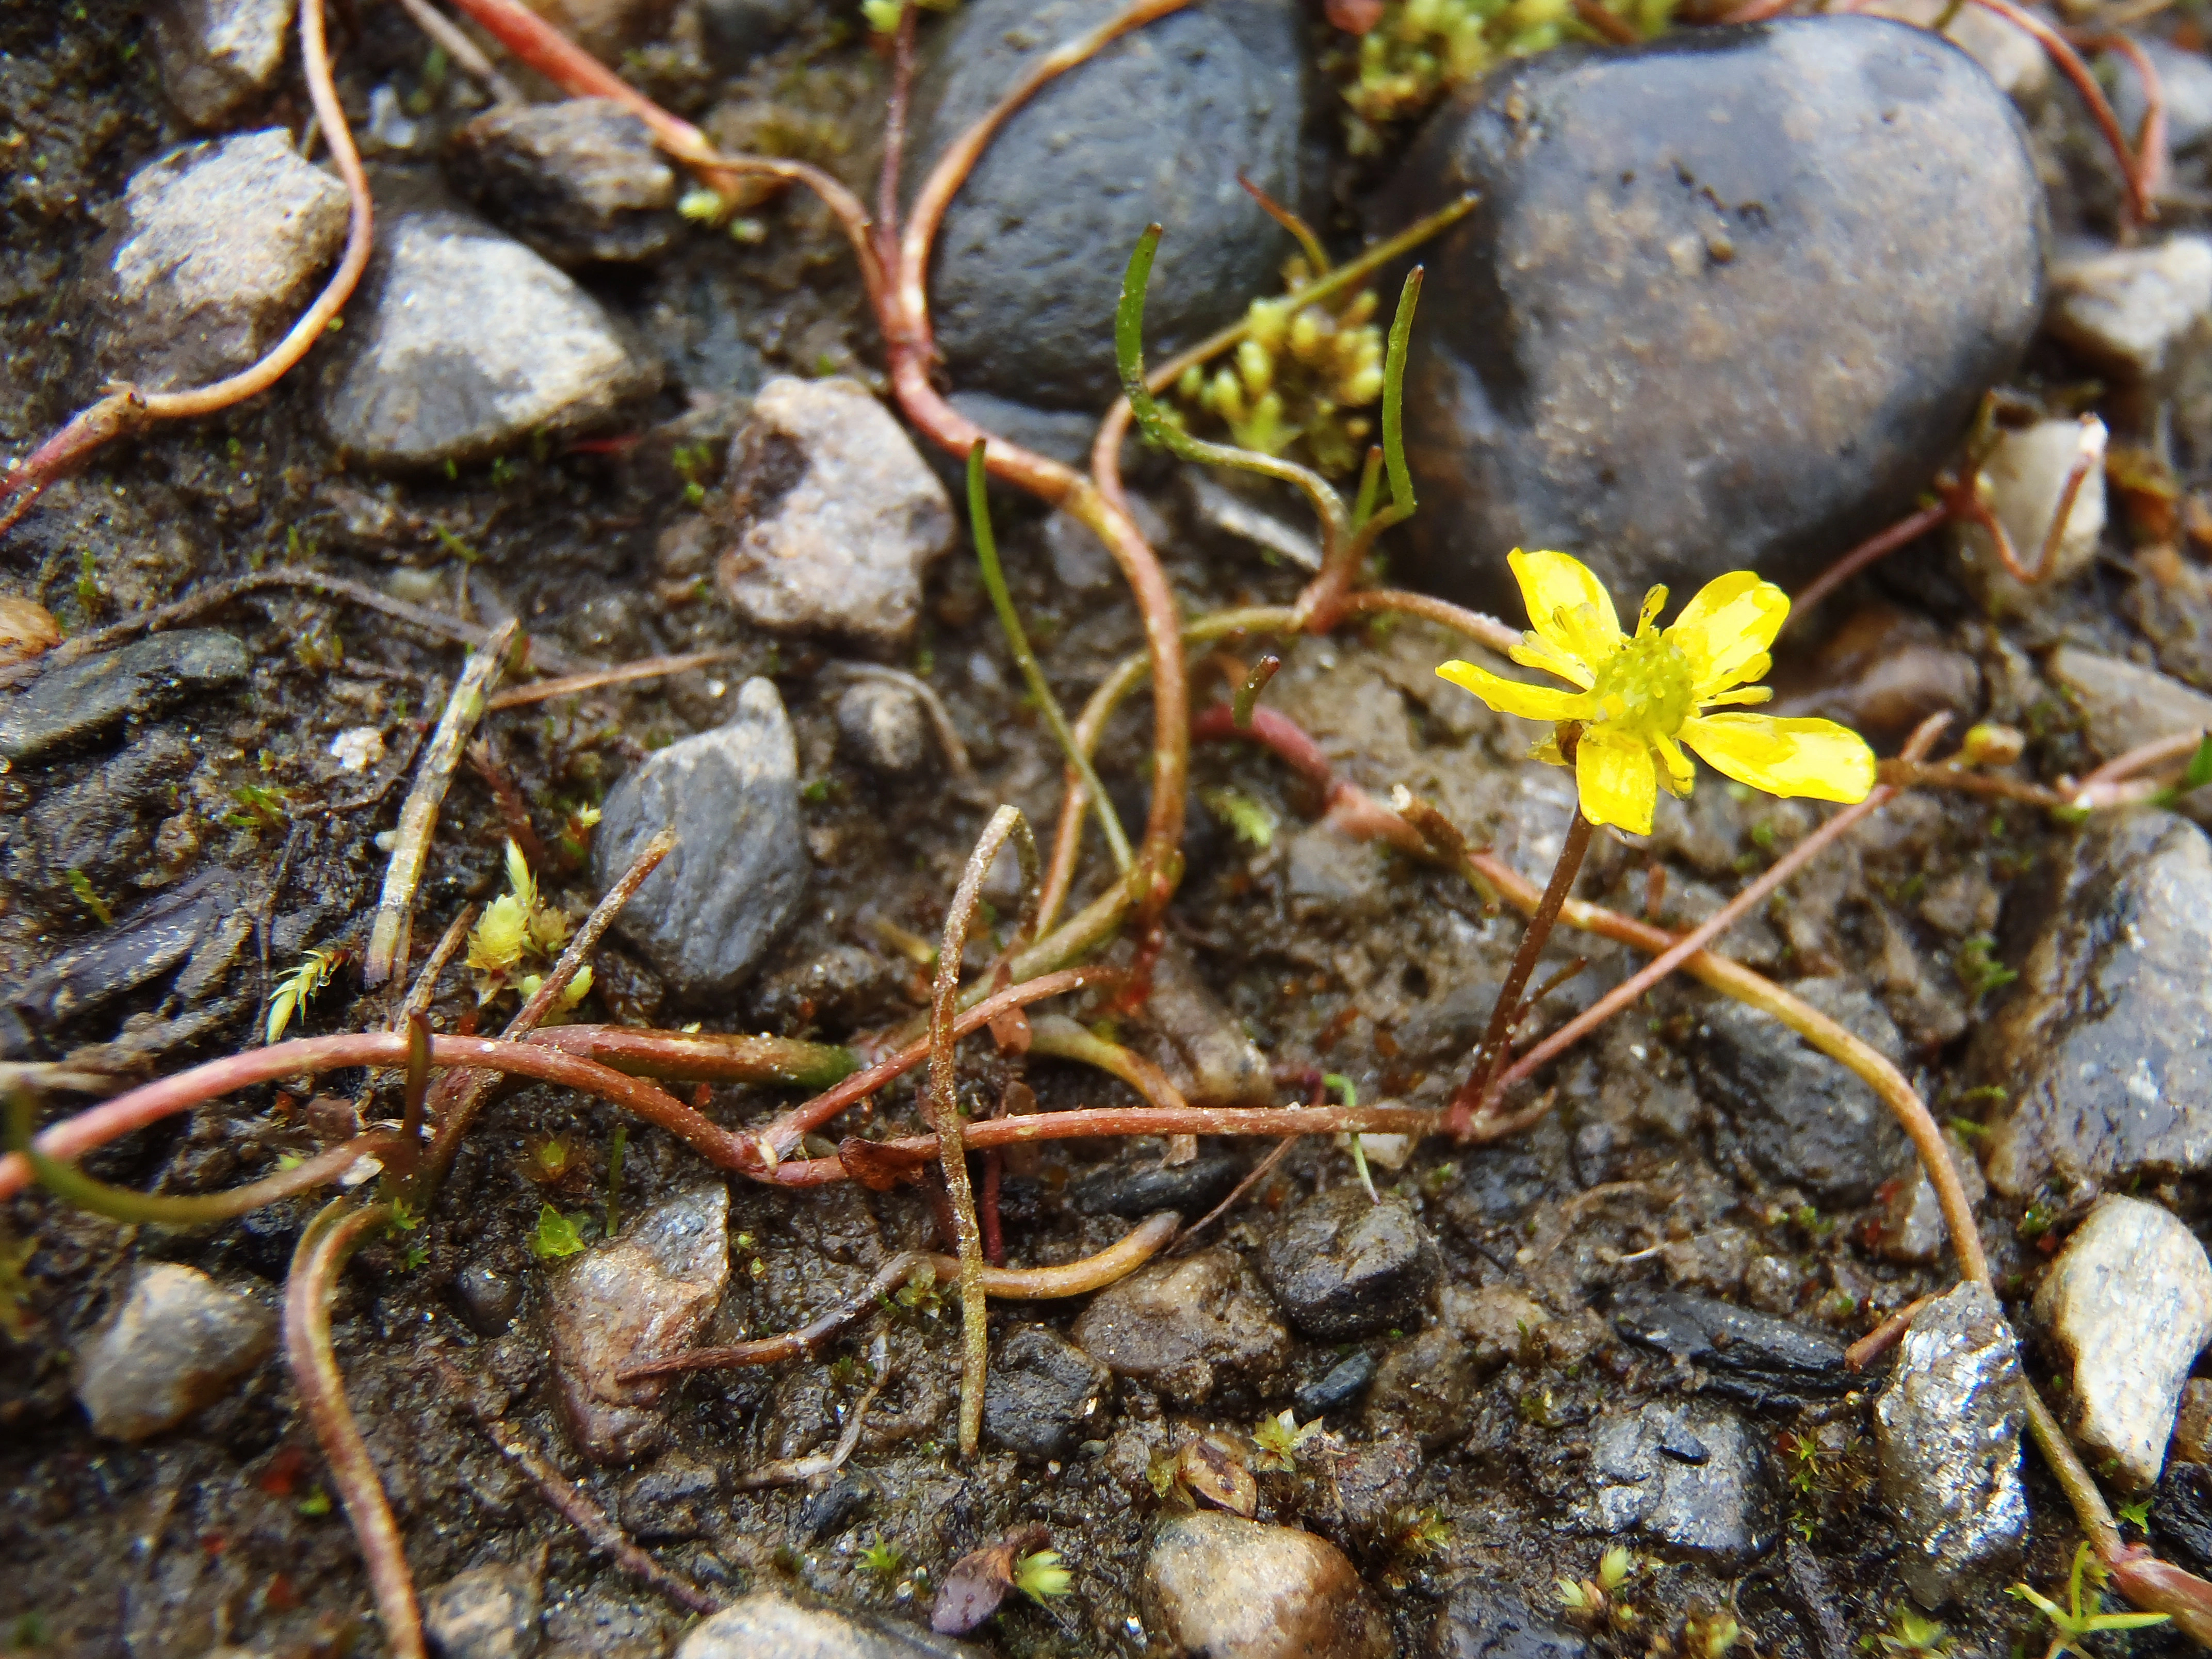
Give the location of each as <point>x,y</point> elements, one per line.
<point>1644,687</point>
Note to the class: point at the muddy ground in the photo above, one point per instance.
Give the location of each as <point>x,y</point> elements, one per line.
<point>1332,955</point>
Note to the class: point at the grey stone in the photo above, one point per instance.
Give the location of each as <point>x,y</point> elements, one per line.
<point>579,180</point>
<point>1371,1489</point>
<point>1045,1395</point>
<point>176,1344</point>
<point>2103,1046</point>
<point>836,516</point>
<point>1908,1227</point>
<point>2123,705</point>
<point>844,985</point>
<point>1692,1478</point>
<point>883,725</point>
<point>1343,1265</point>
<point>486,1612</point>
<point>644,1294</point>
<point>1803,1117</point>
<point>1339,1387</point>
<point>465,342</point>
<point>1145,1186</point>
<point>1189,1032</point>
<point>1481,1620</point>
<point>2026,472</point>
<point>2185,83</point>
<point>2127,1306</point>
<point>678,1498</point>
<point>214,253</point>
<point>1191,1329</point>
<point>1226,1587</point>
<point>1750,1356</point>
<point>105,823</point>
<point>704,917</point>
<point>83,700</point>
<point>1664,341</point>
<point>2128,310</point>
<point>770,1622</point>
<point>214,55</point>
<point>1423,1389</point>
<point>1029,263</point>
<point>2181,1515</point>
<point>833,1509</point>
<point>488,1298</point>
<point>1947,1437</point>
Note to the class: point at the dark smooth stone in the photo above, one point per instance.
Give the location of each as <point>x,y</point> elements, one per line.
<point>1045,1395</point>
<point>833,1509</point>
<point>579,180</point>
<point>1487,1621</point>
<point>488,1298</point>
<point>1728,299</point>
<point>1343,1267</point>
<point>81,700</point>
<point>1189,1189</point>
<point>1155,128</point>
<point>1745,1355</point>
<point>1719,1508</point>
<point>2181,1515</point>
<point>1341,1385</point>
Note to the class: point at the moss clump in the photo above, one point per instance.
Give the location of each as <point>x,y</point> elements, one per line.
<point>1419,50</point>
<point>1298,378</point>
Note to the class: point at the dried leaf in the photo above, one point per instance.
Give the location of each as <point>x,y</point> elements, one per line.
<point>1213,1475</point>
<point>878,1167</point>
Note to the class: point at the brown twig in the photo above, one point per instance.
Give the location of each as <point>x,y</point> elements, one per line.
<point>457,45</point>
<point>336,1233</point>
<point>513,809</point>
<point>1871,551</point>
<point>127,410</point>
<point>944,1101</point>
<point>1258,1173</point>
<point>570,685</point>
<point>1883,1337</point>
<point>1606,25</point>
<point>569,1500</point>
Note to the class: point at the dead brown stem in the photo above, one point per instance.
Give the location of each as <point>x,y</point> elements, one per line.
<point>128,410</point>
<point>569,686</point>
<point>944,1101</point>
<point>1870,551</point>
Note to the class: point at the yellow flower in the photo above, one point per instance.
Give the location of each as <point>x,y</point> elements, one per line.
<point>1640,700</point>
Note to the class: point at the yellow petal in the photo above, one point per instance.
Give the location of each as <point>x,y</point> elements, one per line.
<point>1725,630</point>
<point>1676,772</point>
<point>1533,703</point>
<point>1537,652</point>
<point>1816,758</point>
<point>1567,605</point>
<point>1742,695</point>
<point>1615,777</point>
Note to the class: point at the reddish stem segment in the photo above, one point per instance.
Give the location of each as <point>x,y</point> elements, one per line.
<point>334,1235</point>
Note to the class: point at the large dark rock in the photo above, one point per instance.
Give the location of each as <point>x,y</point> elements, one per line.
<point>1693,1479</point>
<point>1751,1356</point>
<point>2102,1047</point>
<point>1803,1117</point>
<point>1156,127</point>
<point>1727,298</point>
<point>1044,1394</point>
<point>1343,1265</point>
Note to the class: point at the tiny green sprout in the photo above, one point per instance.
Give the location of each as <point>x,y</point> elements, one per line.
<point>2070,1623</point>
<point>1979,972</point>
<point>1039,1575</point>
<point>1803,1452</point>
<point>296,990</point>
<point>2194,776</point>
<point>259,808</point>
<point>1912,1635</point>
<point>81,884</point>
<point>884,1561</point>
<point>1279,1438</point>
<point>555,1236</point>
<point>1251,821</point>
<point>316,1503</point>
<point>2136,1514</point>
<point>15,1320</point>
<point>1597,1600</point>
<point>1710,1635</point>
<point>703,206</point>
<point>1421,1532</point>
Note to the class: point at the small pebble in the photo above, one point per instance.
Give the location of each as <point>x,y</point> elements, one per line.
<point>579,180</point>
<point>740,869</point>
<point>1947,1439</point>
<point>2128,1306</point>
<point>487,1611</point>
<point>176,1344</point>
<point>1045,1395</point>
<point>769,1623</point>
<point>2128,309</point>
<point>1482,1620</point>
<point>83,700</point>
<point>488,1298</point>
<point>1336,1388</point>
<point>1693,1479</point>
<point>1343,1265</point>
<point>464,343</point>
<point>883,725</point>
<point>645,1294</point>
<point>1230,1589</point>
<point>837,517</point>
<point>358,748</point>
<point>216,55</point>
<point>1190,1328</point>
<point>2026,471</point>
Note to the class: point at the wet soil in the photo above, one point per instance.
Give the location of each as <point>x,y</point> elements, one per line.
<point>1334,955</point>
